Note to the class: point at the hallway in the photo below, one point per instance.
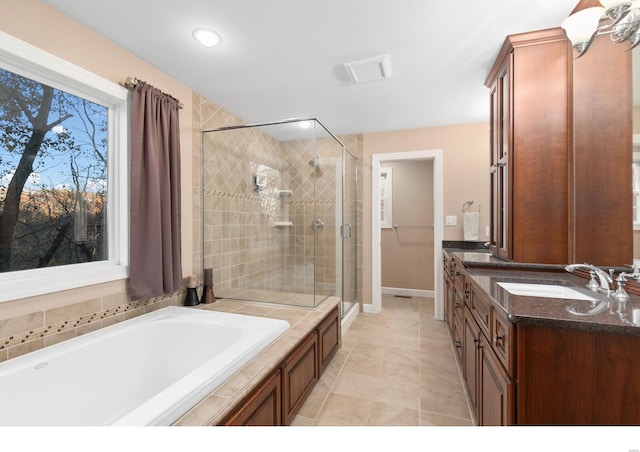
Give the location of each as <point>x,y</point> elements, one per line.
<point>395,368</point>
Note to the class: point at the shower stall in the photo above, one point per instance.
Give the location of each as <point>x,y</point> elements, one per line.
<point>279,213</point>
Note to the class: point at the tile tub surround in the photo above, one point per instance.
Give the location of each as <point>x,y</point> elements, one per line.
<point>41,328</point>
<point>219,403</point>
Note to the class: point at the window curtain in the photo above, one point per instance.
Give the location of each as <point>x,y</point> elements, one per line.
<point>155,246</point>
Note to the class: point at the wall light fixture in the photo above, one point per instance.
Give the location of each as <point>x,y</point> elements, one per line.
<point>618,18</point>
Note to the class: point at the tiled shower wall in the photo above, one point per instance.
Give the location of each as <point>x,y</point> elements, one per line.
<point>242,241</point>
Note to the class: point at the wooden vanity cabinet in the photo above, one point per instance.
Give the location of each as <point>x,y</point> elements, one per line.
<point>489,383</point>
<point>539,374</point>
<point>483,340</point>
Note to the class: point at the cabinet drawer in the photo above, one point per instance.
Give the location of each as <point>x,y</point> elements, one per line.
<point>502,339</point>
<point>480,307</point>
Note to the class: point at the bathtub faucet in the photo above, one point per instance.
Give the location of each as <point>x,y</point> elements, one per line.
<point>605,278</point>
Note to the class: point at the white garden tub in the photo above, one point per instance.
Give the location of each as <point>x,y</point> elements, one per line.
<point>145,371</point>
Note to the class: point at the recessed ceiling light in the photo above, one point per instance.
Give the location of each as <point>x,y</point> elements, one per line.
<point>206,37</point>
<point>305,124</point>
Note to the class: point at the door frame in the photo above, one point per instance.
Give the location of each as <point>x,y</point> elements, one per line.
<point>436,155</point>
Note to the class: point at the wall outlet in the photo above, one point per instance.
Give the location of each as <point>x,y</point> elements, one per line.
<point>451,220</point>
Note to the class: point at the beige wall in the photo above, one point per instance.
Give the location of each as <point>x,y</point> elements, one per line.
<point>406,251</point>
<point>466,175</point>
<point>42,26</point>
<point>465,163</point>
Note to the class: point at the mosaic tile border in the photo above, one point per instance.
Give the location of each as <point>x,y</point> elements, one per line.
<point>28,339</point>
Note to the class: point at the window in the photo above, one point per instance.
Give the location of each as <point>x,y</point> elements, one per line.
<point>63,174</point>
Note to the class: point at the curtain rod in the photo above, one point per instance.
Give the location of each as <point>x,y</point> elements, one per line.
<point>131,82</point>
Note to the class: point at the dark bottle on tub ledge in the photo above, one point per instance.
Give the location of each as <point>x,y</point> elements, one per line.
<point>192,294</point>
<point>207,291</point>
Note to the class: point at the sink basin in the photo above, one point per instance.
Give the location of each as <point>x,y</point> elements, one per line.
<point>544,290</point>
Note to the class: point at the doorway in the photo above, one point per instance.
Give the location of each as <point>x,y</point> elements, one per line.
<point>378,213</point>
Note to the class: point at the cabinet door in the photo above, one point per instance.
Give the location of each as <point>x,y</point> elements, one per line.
<point>496,390</point>
<point>500,163</point>
<point>449,297</point>
<point>495,158</point>
<point>503,166</point>
<point>328,339</point>
<point>470,364</point>
<point>300,373</point>
<point>264,406</point>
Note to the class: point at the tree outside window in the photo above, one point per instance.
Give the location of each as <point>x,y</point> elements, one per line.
<point>53,176</point>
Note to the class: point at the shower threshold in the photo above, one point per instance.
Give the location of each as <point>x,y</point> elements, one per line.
<point>269,296</point>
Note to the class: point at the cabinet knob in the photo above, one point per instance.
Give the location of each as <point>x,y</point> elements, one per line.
<point>458,344</point>
<point>466,294</point>
<point>457,305</point>
<point>497,339</point>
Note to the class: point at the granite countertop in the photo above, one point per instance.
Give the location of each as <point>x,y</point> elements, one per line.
<point>221,401</point>
<point>604,314</point>
<point>476,258</point>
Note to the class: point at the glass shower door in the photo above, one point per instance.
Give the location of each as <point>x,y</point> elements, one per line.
<point>348,232</point>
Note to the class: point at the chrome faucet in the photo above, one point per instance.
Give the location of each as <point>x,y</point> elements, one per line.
<point>605,278</point>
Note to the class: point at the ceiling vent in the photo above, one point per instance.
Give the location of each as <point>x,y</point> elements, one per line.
<point>369,69</point>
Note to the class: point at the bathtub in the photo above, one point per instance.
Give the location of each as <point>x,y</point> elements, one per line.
<point>145,371</point>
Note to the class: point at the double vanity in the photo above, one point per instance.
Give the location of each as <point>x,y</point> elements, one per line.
<point>535,346</point>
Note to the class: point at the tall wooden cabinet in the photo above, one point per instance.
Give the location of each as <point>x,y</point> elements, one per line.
<point>551,118</point>
<point>530,134</point>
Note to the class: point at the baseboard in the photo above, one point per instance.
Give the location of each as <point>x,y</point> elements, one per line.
<point>369,309</point>
<point>408,292</point>
<point>349,317</point>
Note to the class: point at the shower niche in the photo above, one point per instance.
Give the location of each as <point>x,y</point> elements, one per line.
<point>266,183</point>
<point>263,187</point>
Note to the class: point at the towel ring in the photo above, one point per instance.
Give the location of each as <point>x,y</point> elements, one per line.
<point>469,202</point>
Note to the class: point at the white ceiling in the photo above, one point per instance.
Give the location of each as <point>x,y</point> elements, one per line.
<point>284,58</point>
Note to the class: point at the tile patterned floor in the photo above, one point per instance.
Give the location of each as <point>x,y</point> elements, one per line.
<point>395,368</point>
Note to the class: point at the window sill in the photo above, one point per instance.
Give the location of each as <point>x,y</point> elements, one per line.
<point>30,283</point>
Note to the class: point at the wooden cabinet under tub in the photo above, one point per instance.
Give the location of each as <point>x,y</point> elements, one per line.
<point>277,398</point>
<point>263,406</point>
<point>300,373</point>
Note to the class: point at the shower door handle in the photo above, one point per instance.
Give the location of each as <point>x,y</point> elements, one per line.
<point>342,230</point>
<point>317,225</point>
